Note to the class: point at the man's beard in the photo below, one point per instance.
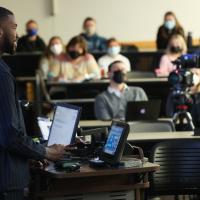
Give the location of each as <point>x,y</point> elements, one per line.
<point>9,47</point>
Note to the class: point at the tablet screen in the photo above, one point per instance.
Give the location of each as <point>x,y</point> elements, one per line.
<point>113,140</point>
<point>44,125</point>
<point>63,126</point>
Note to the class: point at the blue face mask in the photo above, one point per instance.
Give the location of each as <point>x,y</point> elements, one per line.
<point>32,32</point>
<point>114,51</point>
<point>170,24</point>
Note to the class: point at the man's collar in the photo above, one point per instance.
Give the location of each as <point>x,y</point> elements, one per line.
<point>4,67</point>
<point>115,91</point>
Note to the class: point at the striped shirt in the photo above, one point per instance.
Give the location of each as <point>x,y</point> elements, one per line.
<point>15,146</point>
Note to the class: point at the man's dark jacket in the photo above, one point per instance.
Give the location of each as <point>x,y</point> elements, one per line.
<point>15,146</point>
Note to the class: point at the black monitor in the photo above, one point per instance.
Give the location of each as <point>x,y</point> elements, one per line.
<point>23,64</point>
<point>143,110</point>
<point>114,147</point>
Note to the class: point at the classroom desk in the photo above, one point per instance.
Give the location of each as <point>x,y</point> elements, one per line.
<point>25,78</point>
<point>101,123</point>
<point>94,123</point>
<point>155,88</point>
<point>148,140</point>
<point>92,181</point>
<point>161,136</point>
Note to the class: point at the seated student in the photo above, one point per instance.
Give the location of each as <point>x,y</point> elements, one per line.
<point>80,65</point>
<point>170,27</point>
<point>175,49</point>
<point>54,59</point>
<point>95,42</point>
<point>111,104</point>
<point>113,54</point>
<point>31,42</point>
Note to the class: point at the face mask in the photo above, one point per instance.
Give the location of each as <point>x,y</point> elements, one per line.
<point>170,24</point>
<point>32,32</point>
<point>74,54</point>
<point>56,49</point>
<point>196,79</point>
<point>174,49</point>
<point>118,77</point>
<point>114,51</point>
<point>90,30</point>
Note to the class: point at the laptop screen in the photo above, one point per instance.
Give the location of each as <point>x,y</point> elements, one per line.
<point>64,125</point>
<point>143,110</point>
<point>44,125</point>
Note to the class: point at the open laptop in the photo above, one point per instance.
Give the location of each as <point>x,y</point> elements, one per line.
<point>143,110</point>
<point>64,125</point>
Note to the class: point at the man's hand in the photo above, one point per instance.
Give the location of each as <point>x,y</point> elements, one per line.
<point>55,152</point>
<point>40,164</point>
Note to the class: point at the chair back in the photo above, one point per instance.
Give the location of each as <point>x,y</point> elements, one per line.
<point>152,126</point>
<point>179,168</point>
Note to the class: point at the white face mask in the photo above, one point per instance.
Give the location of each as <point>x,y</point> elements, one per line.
<point>114,51</point>
<point>170,24</point>
<point>56,49</point>
<point>196,79</point>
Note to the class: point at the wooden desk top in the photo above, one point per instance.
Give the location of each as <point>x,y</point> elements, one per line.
<point>106,81</point>
<point>153,136</point>
<point>100,123</point>
<point>147,136</point>
<point>94,123</point>
<point>25,78</point>
<point>89,100</point>
<point>86,171</point>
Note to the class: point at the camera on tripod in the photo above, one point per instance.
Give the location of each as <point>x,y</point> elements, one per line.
<point>182,79</point>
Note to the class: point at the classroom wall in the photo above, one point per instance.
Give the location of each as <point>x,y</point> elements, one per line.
<point>127,20</point>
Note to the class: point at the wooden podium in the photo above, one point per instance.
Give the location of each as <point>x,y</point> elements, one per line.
<point>52,184</point>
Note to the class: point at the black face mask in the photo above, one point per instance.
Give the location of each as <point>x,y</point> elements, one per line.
<point>74,54</point>
<point>118,77</point>
<point>174,49</point>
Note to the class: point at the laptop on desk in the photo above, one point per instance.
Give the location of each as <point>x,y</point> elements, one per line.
<point>63,128</point>
<point>143,110</point>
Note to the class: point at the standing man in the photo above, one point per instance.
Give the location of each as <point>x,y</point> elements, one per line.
<point>15,146</point>
<point>31,42</point>
<point>95,43</point>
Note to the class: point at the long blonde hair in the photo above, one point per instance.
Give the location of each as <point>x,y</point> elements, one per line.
<point>181,43</point>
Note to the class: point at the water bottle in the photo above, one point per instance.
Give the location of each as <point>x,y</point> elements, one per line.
<point>189,40</point>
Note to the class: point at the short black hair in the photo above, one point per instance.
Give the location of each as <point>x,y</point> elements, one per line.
<point>30,22</point>
<point>113,63</point>
<point>88,19</point>
<point>110,40</point>
<point>4,13</point>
